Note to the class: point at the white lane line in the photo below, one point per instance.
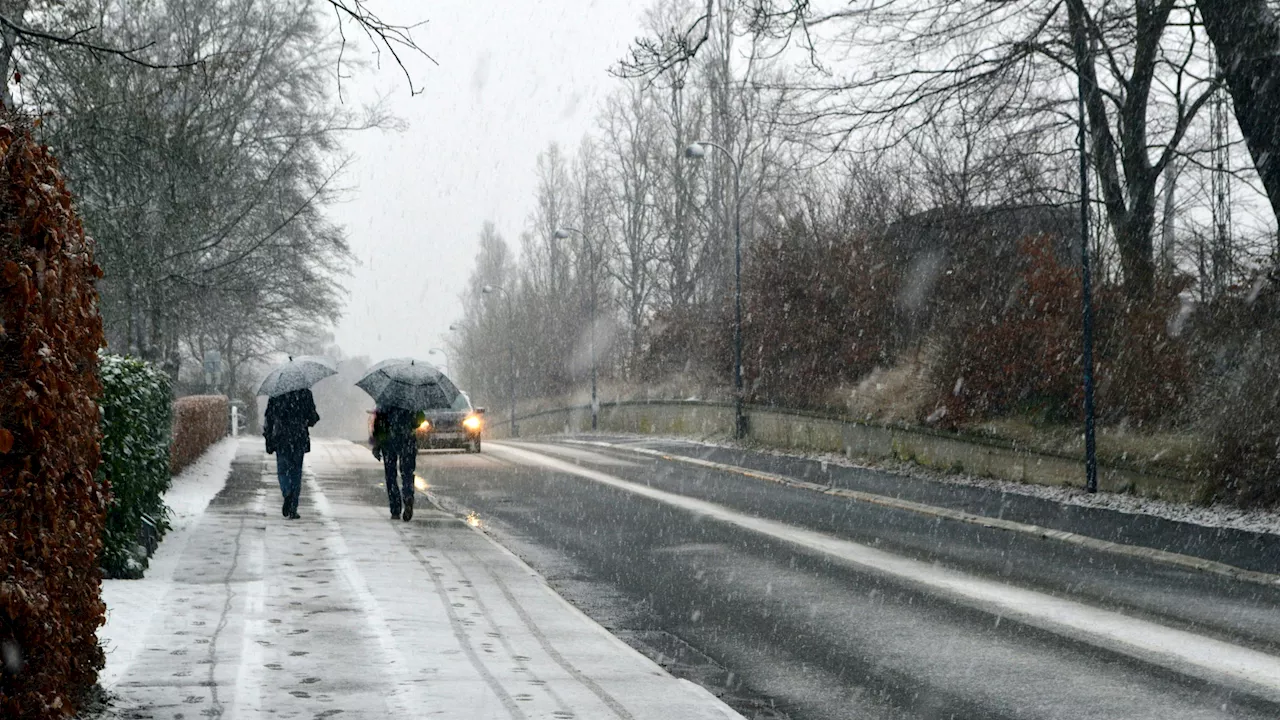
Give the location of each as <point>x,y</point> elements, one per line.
<point>1188,562</point>
<point>1250,670</point>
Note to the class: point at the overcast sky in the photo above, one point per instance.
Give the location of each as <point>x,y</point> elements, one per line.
<point>513,76</point>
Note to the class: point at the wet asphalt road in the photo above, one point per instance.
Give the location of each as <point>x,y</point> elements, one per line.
<point>786,631</point>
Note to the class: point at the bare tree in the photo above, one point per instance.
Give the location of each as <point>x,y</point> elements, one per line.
<point>479,345</point>
<point>206,186</point>
<point>1246,34</point>
<point>37,27</point>
<point>632,151</point>
<point>1144,61</point>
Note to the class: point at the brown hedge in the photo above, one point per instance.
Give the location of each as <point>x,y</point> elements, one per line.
<point>198,422</point>
<point>52,509</point>
<point>1026,357</point>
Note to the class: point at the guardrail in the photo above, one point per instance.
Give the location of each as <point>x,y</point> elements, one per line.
<point>812,431</point>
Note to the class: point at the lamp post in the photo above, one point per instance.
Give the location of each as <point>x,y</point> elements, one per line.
<point>1083,92</point>
<point>440,351</point>
<point>698,151</point>
<point>563,234</point>
<point>511,350</point>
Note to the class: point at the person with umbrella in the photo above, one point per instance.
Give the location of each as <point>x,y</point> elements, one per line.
<point>291,411</point>
<point>403,389</point>
<point>396,445</point>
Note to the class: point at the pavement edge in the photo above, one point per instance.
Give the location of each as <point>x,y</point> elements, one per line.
<point>1186,562</point>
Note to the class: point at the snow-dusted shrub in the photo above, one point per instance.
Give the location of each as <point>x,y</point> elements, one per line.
<point>1025,358</point>
<point>818,314</point>
<point>52,508</point>
<point>1020,357</point>
<point>198,422</point>
<point>136,416</point>
<point>1239,405</point>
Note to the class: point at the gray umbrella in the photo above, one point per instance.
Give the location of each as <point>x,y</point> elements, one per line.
<point>409,384</point>
<point>299,373</point>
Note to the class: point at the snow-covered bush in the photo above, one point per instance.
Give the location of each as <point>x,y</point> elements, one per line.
<point>1239,405</point>
<point>136,416</point>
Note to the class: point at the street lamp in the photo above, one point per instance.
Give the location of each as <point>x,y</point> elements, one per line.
<point>440,351</point>
<point>1083,91</point>
<point>511,350</point>
<point>698,151</point>
<point>563,234</point>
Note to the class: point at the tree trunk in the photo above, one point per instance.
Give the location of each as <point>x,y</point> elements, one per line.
<point>1129,200</point>
<point>1137,253</point>
<point>1246,35</point>
<point>15,11</point>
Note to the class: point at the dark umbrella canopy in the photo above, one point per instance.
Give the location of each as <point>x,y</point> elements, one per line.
<point>409,384</point>
<point>299,373</point>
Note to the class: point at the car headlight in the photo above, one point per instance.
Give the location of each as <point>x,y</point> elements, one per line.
<point>472,423</point>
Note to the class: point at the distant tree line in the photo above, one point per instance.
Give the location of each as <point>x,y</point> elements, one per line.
<point>910,205</point>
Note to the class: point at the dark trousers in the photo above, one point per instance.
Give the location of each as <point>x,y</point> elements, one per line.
<point>289,473</point>
<point>403,456</point>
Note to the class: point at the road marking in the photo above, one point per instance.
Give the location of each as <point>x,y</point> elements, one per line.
<point>1249,670</point>
<point>1187,562</point>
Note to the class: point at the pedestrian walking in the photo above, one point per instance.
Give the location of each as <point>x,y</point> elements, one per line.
<point>396,445</point>
<point>286,429</point>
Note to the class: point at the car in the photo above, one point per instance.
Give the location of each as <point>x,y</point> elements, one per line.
<point>458,427</point>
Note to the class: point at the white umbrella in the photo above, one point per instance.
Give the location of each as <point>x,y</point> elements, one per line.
<point>299,373</point>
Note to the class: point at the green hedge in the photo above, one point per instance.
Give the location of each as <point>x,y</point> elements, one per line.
<point>137,414</point>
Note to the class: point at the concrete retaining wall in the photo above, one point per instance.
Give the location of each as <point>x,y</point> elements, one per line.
<point>805,432</point>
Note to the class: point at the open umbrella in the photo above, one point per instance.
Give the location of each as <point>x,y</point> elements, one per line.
<point>409,384</point>
<point>300,372</point>
<point>388,363</point>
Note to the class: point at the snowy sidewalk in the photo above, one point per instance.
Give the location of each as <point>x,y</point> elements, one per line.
<point>346,613</point>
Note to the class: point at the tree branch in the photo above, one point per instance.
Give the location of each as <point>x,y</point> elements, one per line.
<point>73,40</point>
<point>395,39</point>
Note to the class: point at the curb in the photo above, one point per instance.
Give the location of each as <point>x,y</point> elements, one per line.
<point>1186,562</point>
<point>457,512</point>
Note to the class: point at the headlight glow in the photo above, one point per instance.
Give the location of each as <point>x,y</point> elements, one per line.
<point>472,423</point>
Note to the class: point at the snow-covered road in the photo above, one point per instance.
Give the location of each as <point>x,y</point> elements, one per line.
<point>347,613</point>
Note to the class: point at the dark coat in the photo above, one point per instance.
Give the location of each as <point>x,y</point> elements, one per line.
<point>394,428</point>
<point>287,420</point>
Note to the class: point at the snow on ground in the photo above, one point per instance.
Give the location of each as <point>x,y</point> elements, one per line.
<point>191,490</point>
<point>131,603</point>
<point>1223,516</point>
